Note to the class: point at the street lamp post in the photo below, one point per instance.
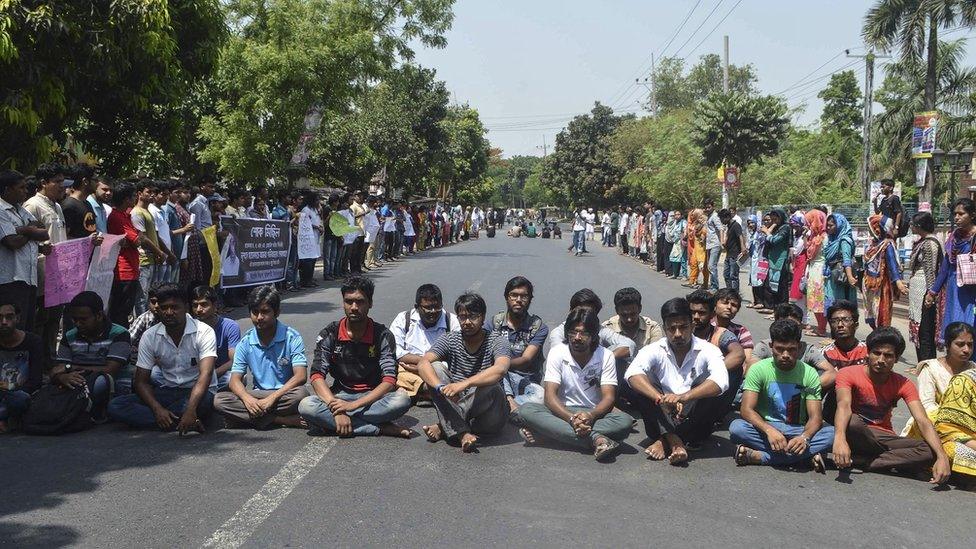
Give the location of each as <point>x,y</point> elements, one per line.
<point>953,163</point>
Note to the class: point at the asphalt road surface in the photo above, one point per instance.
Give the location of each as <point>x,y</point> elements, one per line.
<point>116,487</point>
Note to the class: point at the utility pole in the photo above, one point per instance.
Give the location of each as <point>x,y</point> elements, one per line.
<point>544,147</point>
<point>725,89</point>
<point>649,85</point>
<point>869,58</point>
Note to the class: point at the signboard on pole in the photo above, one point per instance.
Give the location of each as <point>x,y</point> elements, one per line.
<point>732,177</point>
<point>255,251</point>
<point>924,132</point>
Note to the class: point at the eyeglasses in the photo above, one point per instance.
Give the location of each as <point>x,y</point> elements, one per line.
<point>582,334</point>
<point>842,320</point>
<point>519,297</point>
<point>465,318</point>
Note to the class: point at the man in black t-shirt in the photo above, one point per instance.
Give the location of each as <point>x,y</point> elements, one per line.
<point>735,247</point>
<point>79,217</point>
<point>888,204</point>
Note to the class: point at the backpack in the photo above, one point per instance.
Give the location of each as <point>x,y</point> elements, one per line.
<point>409,321</point>
<point>905,224</point>
<point>500,320</point>
<point>55,410</point>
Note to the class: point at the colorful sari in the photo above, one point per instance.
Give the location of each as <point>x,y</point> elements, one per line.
<point>956,422</point>
<point>881,271</point>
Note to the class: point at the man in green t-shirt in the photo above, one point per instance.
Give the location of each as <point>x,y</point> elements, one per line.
<point>782,415</point>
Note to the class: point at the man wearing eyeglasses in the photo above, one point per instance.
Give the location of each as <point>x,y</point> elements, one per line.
<point>846,350</point>
<point>526,335</point>
<point>415,331</point>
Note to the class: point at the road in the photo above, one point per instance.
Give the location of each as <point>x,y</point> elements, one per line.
<point>115,487</point>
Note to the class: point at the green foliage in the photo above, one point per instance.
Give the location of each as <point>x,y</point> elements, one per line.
<point>580,171</point>
<point>677,90</point>
<point>843,104</point>
<point>464,161</point>
<point>738,130</point>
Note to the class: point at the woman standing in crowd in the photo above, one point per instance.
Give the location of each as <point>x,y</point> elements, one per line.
<point>674,230</point>
<point>798,264</point>
<point>959,300</point>
<point>757,251</point>
<point>935,374</point>
<point>882,273</point>
<point>816,221</point>
<point>840,283</point>
<point>778,240</point>
<point>924,267</point>
<point>695,235</point>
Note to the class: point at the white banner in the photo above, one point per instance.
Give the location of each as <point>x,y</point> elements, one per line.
<point>101,271</point>
<point>308,244</point>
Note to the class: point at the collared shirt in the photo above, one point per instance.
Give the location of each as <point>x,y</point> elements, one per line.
<point>101,216</point>
<point>270,365</point>
<point>171,213</point>
<point>172,365</point>
<point>608,338</point>
<point>19,264</point>
<point>580,385</point>
<point>703,362</point>
<point>358,211</point>
<point>648,331</point>
<point>520,338</point>
<point>713,231</point>
<point>418,339</point>
<point>49,213</point>
<point>200,209</point>
<point>280,212</point>
<point>162,225</point>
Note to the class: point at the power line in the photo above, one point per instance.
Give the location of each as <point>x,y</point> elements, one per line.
<point>709,34</point>
<point>814,71</point>
<point>679,29</point>
<point>805,87</point>
<point>698,28</point>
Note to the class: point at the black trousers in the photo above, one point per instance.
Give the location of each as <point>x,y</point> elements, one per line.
<point>122,301</point>
<point>663,251</point>
<point>696,427</point>
<point>926,334</point>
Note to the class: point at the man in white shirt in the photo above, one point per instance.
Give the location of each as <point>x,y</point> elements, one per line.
<point>625,220</point>
<point>415,331</point>
<point>669,378</point>
<point>20,237</point>
<point>622,347</point>
<point>173,372</point>
<point>590,227</point>
<point>45,206</point>
<point>713,240</point>
<point>581,386</point>
<point>163,189</point>
<point>371,226</point>
<point>579,231</point>
<point>605,223</point>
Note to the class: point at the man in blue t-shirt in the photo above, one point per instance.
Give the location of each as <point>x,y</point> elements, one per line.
<point>203,307</point>
<point>274,355</point>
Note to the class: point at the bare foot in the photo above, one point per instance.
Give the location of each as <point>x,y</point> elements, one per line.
<point>512,405</point>
<point>433,432</point>
<point>678,452</point>
<point>294,421</point>
<point>527,435</point>
<point>469,443</point>
<point>656,450</point>
<point>394,430</point>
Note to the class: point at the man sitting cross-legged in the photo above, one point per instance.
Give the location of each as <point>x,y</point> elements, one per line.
<point>173,372</point>
<point>629,322</point>
<point>358,353</point>
<point>464,369</point>
<point>274,354</point>
<point>670,377</point>
<point>866,395</point>
<point>415,331</point>
<point>580,383</point>
<point>781,407</point>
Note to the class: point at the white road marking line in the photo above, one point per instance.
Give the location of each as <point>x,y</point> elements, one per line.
<point>256,510</point>
<point>475,285</point>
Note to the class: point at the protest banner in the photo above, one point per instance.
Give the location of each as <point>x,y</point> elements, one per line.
<point>340,226</point>
<point>925,128</point>
<point>101,272</point>
<point>255,252</point>
<point>65,270</point>
<point>209,235</point>
<point>308,242</point>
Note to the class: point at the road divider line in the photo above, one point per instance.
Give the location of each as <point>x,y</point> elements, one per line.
<point>255,511</point>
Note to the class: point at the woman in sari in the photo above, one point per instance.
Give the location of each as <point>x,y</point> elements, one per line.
<point>757,250</point>
<point>959,302</point>
<point>673,231</point>
<point>779,237</point>
<point>695,234</point>
<point>816,221</point>
<point>924,268</point>
<point>935,375</point>
<point>839,280</point>
<point>882,273</point>
<point>955,420</point>
<point>798,264</point>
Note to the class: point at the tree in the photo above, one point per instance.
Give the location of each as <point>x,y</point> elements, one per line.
<point>286,56</point>
<point>675,90</point>
<point>579,171</point>
<point>464,159</point>
<point>106,75</point>
<point>842,104</point>
<point>737,130</point>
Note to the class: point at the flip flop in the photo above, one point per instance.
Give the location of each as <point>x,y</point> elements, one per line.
<point>741,455</point>
<point>817,462</point>
<point>606,450</point>
<point>527,436</point>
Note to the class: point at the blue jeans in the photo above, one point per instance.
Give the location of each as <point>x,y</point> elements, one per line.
<point>131,410</point>
<point>147,275</point>
<point>365,421</point>
<point>515,383</point>
<point>330,252</point>
<point>731,273</point>
<point>13,404</point>
<point>713,255</point>
<point>743,432</point>
<point>578,241</point>
<point>291,272</point>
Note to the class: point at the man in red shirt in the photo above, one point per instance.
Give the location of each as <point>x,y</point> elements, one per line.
<point>126,288</point>
<point>866,395</point>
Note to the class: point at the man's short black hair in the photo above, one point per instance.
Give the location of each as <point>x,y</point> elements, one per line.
<point>9,178</point>
<point>81,172</point>
<point>358,284</point>
<point>730,294</point>
<point>886,335</point>
<point>785,330</point>
<point>12,304</point>
<point>843,305</point>
<point>48,171</point>
<point>626,296</point>
<point>203,292</point>
<point>590,322</point>
<point>122,192</point>
<point>92,301</point>
<point>708,202</point>
<point>170,292</point>
<point>429,292</point>
<point>144,184</point>
<point>886,182</point>
<point>787,310</point>
<point>725,213</point>
<point>676,307</point>
<point>264,294</point>
<point>518,282</point>
<point>470,302</point>
<point>586,298</point>
<point>701,297</point>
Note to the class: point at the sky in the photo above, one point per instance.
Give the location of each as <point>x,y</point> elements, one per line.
<point>529,66</point>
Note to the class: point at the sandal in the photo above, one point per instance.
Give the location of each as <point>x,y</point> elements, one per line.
<point>606,450</point>
<point>741,456</point>
<point>817,462</point>
<point>527,436</point>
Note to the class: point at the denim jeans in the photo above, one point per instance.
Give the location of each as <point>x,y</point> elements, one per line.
<point>731,273</point>
<point>365,421</point>
<point>541,421</point>
<point>147,274</point>
<point>480,410</point>
<point>515,383</point>
<point>291,272</point>
<point>713,255</point>
<point>743,432</point>
<point>578,241</point>
<point>131,410</point>
<point>13,404</point>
